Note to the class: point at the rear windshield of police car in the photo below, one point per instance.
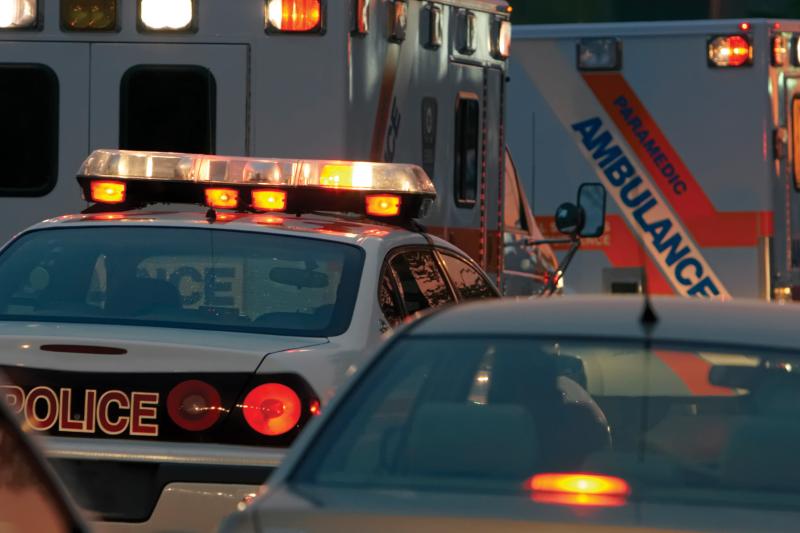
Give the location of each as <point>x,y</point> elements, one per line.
<point>185,278</point>
<point>679,423</point>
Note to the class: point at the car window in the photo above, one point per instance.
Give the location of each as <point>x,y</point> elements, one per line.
<point>388,299</point>
<point>29,498</point>
<point>421,281</point>
<point>678,422</point>
<point>469,283</point>
<point>176,277</point>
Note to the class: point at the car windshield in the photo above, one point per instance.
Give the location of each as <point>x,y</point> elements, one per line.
<point>177,277</point>
<point>677,422</point>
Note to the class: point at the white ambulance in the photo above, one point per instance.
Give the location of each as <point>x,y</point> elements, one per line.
<point>694,129</point>
<point>394,81</point>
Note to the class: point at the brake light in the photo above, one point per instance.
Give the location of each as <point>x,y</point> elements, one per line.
<point>194,405</point>
<point>294,15</point>
<point>579,489</point>
<point>730,51</point>
<point>108,192</point>
<point>272,409</point>
<point>222,198</point>
<point>266,200</point>
<point>383,205</point>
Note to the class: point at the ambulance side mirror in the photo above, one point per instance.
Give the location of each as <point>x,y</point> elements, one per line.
<point>592,205</point>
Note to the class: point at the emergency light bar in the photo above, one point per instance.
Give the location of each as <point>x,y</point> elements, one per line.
<point>121,180</point>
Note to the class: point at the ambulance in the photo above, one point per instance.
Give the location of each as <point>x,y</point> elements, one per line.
<point>694,129</point>
<point>364,80</point>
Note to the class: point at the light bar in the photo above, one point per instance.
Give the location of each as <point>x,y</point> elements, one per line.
<point>599,54</point>
<point>385,177</point>
<point>17,14</point>
<point>166,15</point>
<point>579,489</point>
<point>263,184</point>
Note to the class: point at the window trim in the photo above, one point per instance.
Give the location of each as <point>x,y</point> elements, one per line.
<point>387,264</point>
<point>55,127</point>
<point>440,251</point>
<point>795,120</point>
<point>465,203</point>
<point>212,96</point>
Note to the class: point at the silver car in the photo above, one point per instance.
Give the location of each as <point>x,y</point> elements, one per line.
<point>572,414</point>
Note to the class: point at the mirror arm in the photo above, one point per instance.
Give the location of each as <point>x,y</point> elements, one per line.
<point>552,284</point>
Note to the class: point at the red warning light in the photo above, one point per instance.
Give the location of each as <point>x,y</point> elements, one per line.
<point>744,26</point>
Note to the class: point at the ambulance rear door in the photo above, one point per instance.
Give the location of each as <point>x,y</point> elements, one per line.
<point>170,97</point>
<point>45,92</point>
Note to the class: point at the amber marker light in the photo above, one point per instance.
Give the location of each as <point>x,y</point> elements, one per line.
<point>579,489</point>
<point>108,192</point>
<point>267,200</point>
<point>222,198</point>
<point>383,205</point>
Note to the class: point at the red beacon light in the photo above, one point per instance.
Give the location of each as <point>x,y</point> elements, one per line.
<point>730,51</point>
<point>744,26</point>
<point>272,409</point>
<point>137,179</point>
<point>294,16</point>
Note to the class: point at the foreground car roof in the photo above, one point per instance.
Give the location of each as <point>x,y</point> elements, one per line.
<point>679,319</point>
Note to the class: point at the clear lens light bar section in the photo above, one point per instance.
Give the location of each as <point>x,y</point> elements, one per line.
<point>166,15</point>
<point>17,14</point>
<point>385,177</point>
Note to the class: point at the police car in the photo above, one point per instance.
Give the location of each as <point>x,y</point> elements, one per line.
<point>172,354</point>
<point>579,414</point>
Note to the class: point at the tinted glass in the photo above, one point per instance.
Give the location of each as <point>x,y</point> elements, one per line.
<point>679,423</point>
<point>168,109</point>
<point>196,278</point>
<point>387,298</point>
<point>466,151</point>
<point>469,283</point>
<point>421,281</point>
<point>29,136</point>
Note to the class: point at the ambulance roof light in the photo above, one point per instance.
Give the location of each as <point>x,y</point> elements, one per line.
<point>730,51</point>
<point>167,15</point>
<point>18,14</point>
<point>599,54</point>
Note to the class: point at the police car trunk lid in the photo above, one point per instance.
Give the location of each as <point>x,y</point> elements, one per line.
<point>99,381</point>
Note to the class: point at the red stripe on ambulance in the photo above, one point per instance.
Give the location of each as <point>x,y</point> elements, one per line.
<point>708,226</point>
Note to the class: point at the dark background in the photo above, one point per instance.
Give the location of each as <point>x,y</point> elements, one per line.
<point>557,11</point>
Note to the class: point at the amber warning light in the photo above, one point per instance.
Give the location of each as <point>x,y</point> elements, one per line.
<point>108,192</point>
<point>581,489</point>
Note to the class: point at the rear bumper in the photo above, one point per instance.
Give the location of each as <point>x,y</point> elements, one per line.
<point>186,507</point>
<point>159,484</point>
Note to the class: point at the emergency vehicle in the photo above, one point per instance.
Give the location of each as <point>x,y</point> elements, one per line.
<point>370,80</point>
<point>694,129</point>
<point>172,354</point>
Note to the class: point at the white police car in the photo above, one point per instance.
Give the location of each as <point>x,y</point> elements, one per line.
<point>171,356</point>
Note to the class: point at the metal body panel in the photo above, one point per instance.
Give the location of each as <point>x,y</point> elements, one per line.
<point>725,146</point>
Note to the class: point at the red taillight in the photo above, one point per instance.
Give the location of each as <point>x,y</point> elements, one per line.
<point>108,192</point>
<point>730,51</point>
<point>579,489</point>
<point>294,15</point>
<point>194,405</point>
<point>272,409</point>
